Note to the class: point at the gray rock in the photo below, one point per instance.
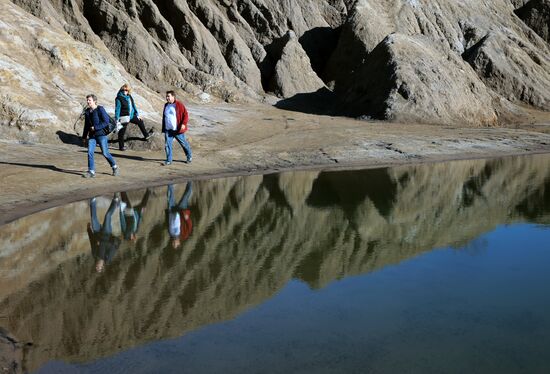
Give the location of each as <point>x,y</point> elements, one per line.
<point>536,14</point>
<point>293,73</point>
<point>513,68</point>
<point>406,79</point>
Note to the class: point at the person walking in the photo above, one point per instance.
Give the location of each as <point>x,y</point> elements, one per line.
<point>126,112</point>
<point>174,126</point>
<point>96,121</point>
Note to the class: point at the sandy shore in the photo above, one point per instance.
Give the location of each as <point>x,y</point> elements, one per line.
<point>236,140</point>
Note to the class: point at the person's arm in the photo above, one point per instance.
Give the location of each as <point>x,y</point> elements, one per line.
<point>117,109</point>
<point>163,118</point>
<point>136,113</point>
<point>87,126</point>
<point>103,119</point>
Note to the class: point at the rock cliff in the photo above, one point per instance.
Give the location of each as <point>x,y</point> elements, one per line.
<point>441,61</point>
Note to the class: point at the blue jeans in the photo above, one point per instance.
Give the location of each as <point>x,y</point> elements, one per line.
<point>184,201</point>
<point>169,136</point>
<point>102,140</point>
<point>106,228</point>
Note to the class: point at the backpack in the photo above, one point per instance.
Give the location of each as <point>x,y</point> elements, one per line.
<point>108,129</point>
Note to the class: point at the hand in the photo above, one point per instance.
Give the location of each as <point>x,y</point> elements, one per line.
<point>92,128</point>
<point>139,117</point>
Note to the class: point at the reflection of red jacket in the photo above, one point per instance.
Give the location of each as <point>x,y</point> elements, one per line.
<point>186,224</point>
<point>182,117</point>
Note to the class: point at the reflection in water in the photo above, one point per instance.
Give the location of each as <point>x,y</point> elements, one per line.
<point>250,237</point>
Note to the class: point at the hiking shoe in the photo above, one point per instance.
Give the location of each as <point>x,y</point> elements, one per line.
<point>122,148</point>
<point>89,174</point>
<point>149,135</point>
<point>166,163</point>
<point>188,161</point>
<point>115,171</point>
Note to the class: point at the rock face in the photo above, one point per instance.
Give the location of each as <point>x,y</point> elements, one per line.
<point>293,72</point>
<point>406,79</point>
<point>536,15</point>
<point>523,78</point>
<point>46,75</point>
<point>237,50</point>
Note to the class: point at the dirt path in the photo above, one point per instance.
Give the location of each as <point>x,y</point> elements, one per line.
<point>229,140</point>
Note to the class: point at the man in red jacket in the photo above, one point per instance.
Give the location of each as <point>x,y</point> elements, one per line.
<point>174,125</point>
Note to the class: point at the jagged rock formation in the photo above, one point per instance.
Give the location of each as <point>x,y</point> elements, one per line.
<point>405,73</point>
<point>231,49</point>
<point>536,15</point>
<point>250,237</point>
<point>293,72</point>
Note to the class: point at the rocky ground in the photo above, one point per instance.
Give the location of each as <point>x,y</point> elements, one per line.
<point>246,140</point>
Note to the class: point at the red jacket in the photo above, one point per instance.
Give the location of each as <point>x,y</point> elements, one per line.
<point>182,117</point>
<point>186,224</point>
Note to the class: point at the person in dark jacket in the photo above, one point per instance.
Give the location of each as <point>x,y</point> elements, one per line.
<point>126,112</point>
<point>96,120</point>
<point>174,126</point>
<point>102,241</point>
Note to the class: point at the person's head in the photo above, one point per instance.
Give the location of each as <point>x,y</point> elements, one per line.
<point>91,100</point>
<point>99,265</point>
<point>170,97</point>
<point>126,89</point>
<point>175,242</point>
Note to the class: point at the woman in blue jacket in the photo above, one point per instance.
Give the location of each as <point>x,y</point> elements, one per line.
<point>96,120</point>
<point>126,112</point>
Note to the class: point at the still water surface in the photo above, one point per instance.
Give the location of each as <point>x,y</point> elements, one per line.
<point>422,269</point>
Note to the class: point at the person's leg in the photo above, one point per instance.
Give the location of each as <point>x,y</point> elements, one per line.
<point>107,227</point>
<point>170,196</point>
<point>121,134</point>
<point>184,202</point>
<point>102,140</point>
<point>91,150</point>
<point>141,125</point>
<point>144,200</point>
<point>185,145</point>
<point>168,139</point>
<point>96,227</point>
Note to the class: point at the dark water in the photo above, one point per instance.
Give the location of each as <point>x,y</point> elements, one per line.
<point>439,268</point>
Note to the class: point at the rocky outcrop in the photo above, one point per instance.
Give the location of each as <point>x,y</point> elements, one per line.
<point>536,15</point>
<point>451,27</point>
<point>293,72</point>
<point>232,50</point>
<point>406,79</point>
<point>517,71</point>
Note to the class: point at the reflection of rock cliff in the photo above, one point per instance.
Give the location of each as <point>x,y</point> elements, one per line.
<point>437,61</point>
<point>250,237</point>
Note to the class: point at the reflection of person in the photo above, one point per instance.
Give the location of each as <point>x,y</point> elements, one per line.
<point>96,120</point>
<point>131,216</point>
<point>174,126</point>
<point>126,112</point>
<point>104,244</point>
<point>179,216</point>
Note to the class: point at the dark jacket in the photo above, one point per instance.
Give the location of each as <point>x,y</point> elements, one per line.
<point>97,118</point>
<point>182,117</point>
<point>125,106</point>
